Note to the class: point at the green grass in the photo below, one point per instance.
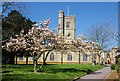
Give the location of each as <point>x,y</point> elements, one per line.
<point>58,71</point>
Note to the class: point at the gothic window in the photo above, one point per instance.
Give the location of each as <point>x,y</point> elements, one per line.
<point>67,24</point>
<point>69,57</point>
<point>52,57</point>
<point>84,57</point>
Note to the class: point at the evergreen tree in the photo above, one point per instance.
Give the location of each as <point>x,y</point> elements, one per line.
<point>13,24</point>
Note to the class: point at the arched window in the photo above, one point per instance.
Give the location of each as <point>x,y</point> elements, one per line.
<point>52,57</point>
<point>108,55</point>
<point>84,57</point>
<point>69,57</point>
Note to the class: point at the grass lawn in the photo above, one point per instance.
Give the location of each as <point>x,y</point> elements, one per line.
<point>57,71</point>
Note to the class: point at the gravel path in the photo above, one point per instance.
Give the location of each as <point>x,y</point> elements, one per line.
<point>99,75</point>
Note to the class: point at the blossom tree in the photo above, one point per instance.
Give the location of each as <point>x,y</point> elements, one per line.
<point>84,46</point>
<point>38,41</point>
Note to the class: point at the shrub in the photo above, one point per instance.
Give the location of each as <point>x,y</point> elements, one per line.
<point>113,66</point>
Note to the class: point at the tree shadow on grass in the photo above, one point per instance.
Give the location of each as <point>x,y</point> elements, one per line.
<point>88,71</point>
<point>6,71</point>
<point>16,66</point>
<point>12,76</point>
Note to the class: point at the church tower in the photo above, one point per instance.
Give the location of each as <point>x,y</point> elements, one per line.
<point>61,23</point>
<point>66,26</point>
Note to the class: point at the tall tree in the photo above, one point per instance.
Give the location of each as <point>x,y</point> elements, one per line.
<point>100,34</point>
<point>14,23</point>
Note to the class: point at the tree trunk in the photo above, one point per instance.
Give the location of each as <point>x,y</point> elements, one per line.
<point>62,58</point>
<point>79,57</point>
<point>41,66</point>
<point>44,60</point>
<point>99,59</point>
<point>93,63</point>
<point>45,57</point>
<point>35,66</point>
<point>16,59</point>
<point>26,59</point>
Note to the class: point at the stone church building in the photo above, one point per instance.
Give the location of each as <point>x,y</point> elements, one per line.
<point>67,28</point>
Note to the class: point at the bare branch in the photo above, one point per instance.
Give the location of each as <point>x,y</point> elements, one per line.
<point>100,34</point>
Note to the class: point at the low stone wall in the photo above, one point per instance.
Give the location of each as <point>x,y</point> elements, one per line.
<point>24,62</point>
<point>39,62</point>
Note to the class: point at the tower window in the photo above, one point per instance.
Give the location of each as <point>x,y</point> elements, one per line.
<point>69,34</point>
<point>69,57</point>
<point>67,24</point>
<point>52,57</point>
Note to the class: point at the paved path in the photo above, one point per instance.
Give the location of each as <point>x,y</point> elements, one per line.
<point>99,75</point>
